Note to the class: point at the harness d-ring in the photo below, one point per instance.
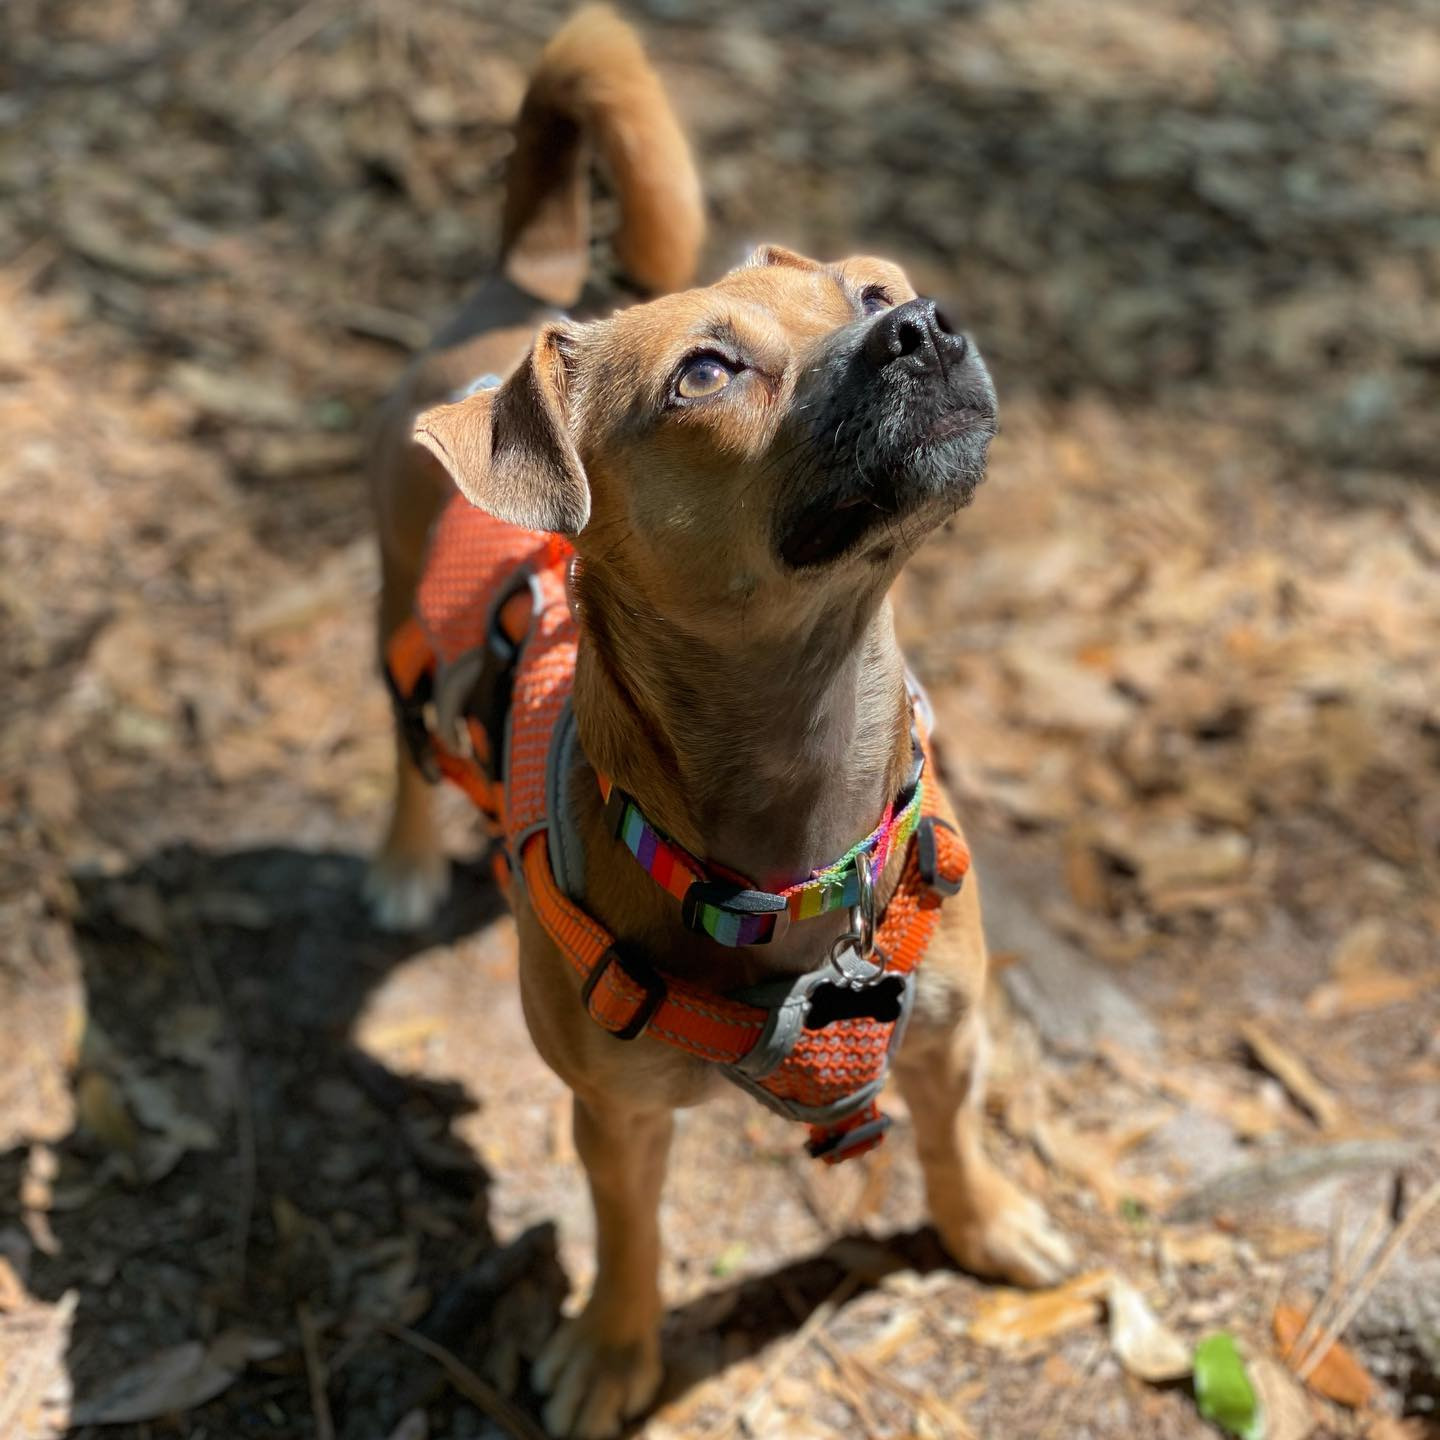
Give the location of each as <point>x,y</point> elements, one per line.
<point>851,952</point>
<point>862,913</point>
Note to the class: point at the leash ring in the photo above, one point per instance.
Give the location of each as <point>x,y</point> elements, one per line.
<point>862,913</point>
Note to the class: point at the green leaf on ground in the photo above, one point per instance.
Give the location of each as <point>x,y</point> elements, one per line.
<point>1223,1389</point>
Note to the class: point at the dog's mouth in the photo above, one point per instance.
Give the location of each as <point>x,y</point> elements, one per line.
<point>832,526</point>
<point>961,422</point>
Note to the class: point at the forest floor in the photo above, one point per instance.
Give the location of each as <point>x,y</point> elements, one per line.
<point>260,1165</point>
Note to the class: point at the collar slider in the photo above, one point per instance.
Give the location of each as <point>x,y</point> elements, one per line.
<point>715,908</point>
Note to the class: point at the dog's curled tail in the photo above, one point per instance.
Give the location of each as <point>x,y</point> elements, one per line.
<point>594,87</point>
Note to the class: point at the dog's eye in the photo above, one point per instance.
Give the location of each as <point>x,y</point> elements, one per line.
<point>702,377</point>
<point>874,299</point>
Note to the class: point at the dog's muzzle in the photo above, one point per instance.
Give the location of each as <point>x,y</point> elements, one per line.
<point>905,411</point>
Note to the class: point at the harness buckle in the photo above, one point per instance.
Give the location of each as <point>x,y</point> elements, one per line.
<point>638,972</point>
<point>414,728</point>
<point>738,901</point>
<point>927,857</point>
<point>490,698</point>
<point>844,1144</point>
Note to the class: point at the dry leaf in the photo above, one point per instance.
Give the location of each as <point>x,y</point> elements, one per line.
<point>414,1425</point>
<point>1359,949</point>
<point>173,1381</point>
<point>1085,876</point>
<point>1143,1344</point>
<point>1387,1427</point>
<point>1278,1241</point>
<point>386,1276</point>
<point>1199,1249</point>
<point>285,456</point>
<point>1012,1319</point>
<point>1294,1074</point>
<point>1247,1115</point>
<point>1093,1159</point>
<point>236,396</point>
<point>1339,1376</point>
<point>191,1033</point>
<point>1287,1412</point>
<point>156,1106</point>
<point>1359,994</point>
<point>102,1111</point>
<point>1224,799</point>
<point>12,1292</point>
<point>1177,856</point>
<point>330,587</point>
<point>1056,693</point>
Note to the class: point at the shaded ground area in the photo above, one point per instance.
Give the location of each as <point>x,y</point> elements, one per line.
<point>255,1159</point>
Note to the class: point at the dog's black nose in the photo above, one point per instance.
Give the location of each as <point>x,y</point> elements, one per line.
<point>918,335</point>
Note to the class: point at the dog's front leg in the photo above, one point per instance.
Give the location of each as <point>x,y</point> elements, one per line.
<point>410,874</point>
<point>603,1366</point>
<point>985,1221</point>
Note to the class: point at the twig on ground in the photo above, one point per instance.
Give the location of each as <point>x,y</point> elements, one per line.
<point>745,1405</point>
<point>291,33</point>
<point>1399,1236</point>
<point>1060,1417</point>
<point>852,1381</point>
<point>1299,1080</point>
<point>1288,1169</point>
<point>483,1396</point>
<point>1345,1267</point>
<point>947,1419</point>
<point>375,322</point>
<point>24,269</point>
<point>315,1373</point>
<point>1339,1256</point>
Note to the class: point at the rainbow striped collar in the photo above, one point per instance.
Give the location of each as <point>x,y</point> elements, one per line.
<point>730,912</point>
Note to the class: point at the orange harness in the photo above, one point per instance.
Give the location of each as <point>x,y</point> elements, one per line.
<point>481,675</point>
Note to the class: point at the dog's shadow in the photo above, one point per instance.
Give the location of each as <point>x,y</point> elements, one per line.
<point>237,1165</point>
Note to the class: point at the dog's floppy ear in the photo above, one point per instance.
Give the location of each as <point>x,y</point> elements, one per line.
<point>509,449</point>
<point>779,255</point>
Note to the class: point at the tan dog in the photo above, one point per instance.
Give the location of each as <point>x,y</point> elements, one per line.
<point>743,469</point>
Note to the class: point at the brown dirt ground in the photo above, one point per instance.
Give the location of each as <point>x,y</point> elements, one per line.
<point>1184,646</point>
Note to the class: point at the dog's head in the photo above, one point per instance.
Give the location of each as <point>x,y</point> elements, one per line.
<point>791,432</point>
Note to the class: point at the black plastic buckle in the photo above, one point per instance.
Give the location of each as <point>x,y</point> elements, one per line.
<point>927,857</point>
<point>847,1142</point>
<point>410,717</point>
<point>917,769</point>
<point>643,975</point>
<point>734,900</point>
<point>490,700</point>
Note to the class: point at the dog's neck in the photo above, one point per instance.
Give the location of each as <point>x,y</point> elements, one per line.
<point>772,759</point>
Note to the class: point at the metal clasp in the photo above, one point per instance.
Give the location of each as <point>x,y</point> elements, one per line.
<point>851,952</point>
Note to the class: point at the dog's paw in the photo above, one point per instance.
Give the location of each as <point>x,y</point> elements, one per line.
<point>1001,1233</point>
<point>595,1383</point>
<point>404,892</point>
